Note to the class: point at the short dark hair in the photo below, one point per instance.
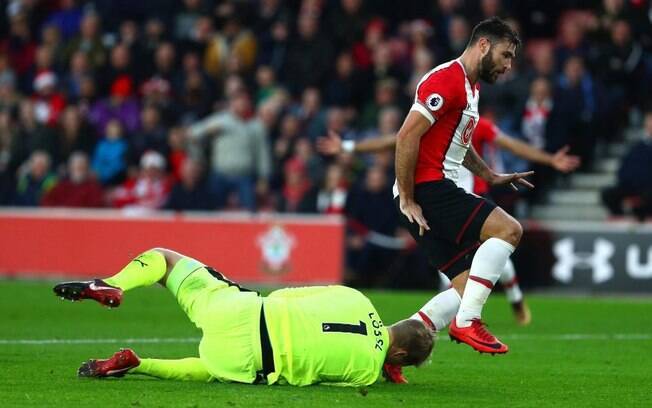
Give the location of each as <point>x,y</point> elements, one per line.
<point>495,29</point>
<point>415,338</point>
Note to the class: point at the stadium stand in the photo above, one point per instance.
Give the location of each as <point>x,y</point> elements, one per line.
<point>217,105</point>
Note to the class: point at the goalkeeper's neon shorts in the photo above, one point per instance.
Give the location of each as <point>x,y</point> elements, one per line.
<point>228,316</point>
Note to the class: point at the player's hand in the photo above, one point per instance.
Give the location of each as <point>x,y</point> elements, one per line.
<point>330,145</point>
<point>512,179</point>
<point>413,212</point>
<point>564,162</point>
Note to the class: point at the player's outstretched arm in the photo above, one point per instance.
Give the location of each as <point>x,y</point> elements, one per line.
<point>477,166</point>
<point>560,161</point>
<point>332,144</point>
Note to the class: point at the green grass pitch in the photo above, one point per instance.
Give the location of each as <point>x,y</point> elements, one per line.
<point>577,352</point>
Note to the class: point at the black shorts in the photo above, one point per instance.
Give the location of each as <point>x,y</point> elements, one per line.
<point>455,218</point>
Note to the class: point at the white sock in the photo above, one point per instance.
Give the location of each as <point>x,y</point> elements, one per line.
<point>488,263</point>
<point>444,282</point>
<point>440,310</point>
<point>510,283</point>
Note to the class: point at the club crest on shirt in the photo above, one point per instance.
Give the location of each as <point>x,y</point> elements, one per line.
<point>468,131</point>
<point>276,246</point>
<point>435,102</point>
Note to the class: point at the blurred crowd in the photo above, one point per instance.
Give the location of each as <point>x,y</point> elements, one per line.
<point>217,105</point>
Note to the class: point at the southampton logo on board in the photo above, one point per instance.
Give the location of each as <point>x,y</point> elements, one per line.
<point>276,245</point>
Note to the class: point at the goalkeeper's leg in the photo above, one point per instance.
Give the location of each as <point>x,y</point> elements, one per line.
<point>146,269</point>
<point>127,362</point>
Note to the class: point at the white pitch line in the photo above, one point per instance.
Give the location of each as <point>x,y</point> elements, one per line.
<point>180,340</point>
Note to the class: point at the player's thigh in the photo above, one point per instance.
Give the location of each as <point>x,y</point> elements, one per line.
<point>443,256</point>
<point>452,214</point>
<point>230,346</point>
<point>196,285</point>
<point>501,225</point>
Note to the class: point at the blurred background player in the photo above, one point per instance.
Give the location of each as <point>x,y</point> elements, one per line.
<point>297,336</point>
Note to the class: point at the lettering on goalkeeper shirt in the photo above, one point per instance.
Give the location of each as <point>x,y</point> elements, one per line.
<point>376,326</point>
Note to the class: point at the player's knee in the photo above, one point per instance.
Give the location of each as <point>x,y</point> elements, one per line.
<point>512,232</point>
<point>171,258</point>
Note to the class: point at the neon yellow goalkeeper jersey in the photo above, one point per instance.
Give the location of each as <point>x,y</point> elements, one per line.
<point>329,334</point>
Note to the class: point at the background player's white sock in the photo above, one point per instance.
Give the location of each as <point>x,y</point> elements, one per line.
<point>510,283</point>
<point>488,263</point>
<point>440,310</point>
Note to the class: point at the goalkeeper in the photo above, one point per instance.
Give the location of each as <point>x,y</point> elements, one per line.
<point>297,336</point>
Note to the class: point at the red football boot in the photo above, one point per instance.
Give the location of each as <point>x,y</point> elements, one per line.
<point>394,373</point>
<point>116,366</point>
<point>96,289</point>
<point>477,336</point>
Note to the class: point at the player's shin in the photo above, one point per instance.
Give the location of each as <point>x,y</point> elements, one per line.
<point>439,311</point>
<point>488,263</point>
<point>510,283</point>
<point>144,270</point>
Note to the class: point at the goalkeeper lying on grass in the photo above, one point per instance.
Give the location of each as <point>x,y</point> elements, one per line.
<point>298,336</point>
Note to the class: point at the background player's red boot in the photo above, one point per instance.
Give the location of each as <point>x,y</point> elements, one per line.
<point>477,336</point>
<point>96,289</point>
<point>394,373</point>
<point>116,366</point>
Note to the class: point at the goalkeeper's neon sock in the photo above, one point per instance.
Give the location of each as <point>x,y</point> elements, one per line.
<point>97,290</point>
<point>116,366</point>
<point>144,270</point>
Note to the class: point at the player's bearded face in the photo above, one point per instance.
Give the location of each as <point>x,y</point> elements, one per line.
<point>489,68</point>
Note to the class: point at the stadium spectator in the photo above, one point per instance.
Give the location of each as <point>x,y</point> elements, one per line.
<point>110,156</point>
<point>151,136</point>
<point>308,56</point>
<point>19,45</point>
<point>184,22</point>
<point>370,208</point>
<point>119,66</point>
<point>633,188</point>
<point>78,189</point>
<point>67,19</point>
<point>621,67</point>
<point>575,112</point>
<point>385,95</point>
<point>32,135</point>
<point>114,67</point>
<point>296,188</point>
<point>148,190</point>
<point>78,70</point>
<point>240,160</point>
<point>34,180</point>
<point>73,135</point>
<point>48,102</point>
<point>7,168</point>
<point>330,197</point>
<point>232,49</point>
<point>537,110</point>
<point>178,151</point>
<point>312,113</point>
<point>88,41</point>
<point>119,105</point>
<point>192,191</point>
